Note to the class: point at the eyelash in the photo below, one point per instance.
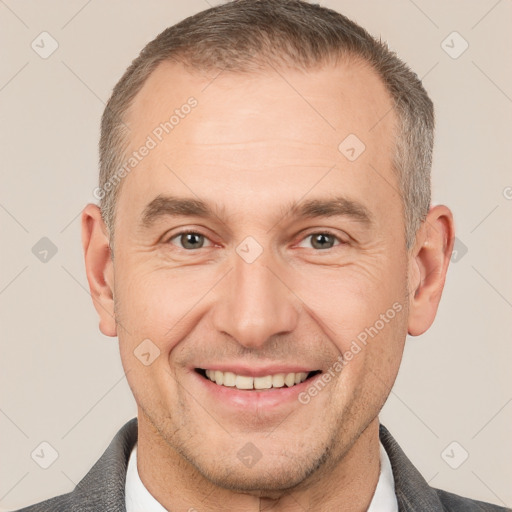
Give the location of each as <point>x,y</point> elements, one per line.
<point>323,232</point>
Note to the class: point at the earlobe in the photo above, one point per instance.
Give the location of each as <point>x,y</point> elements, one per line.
<point>99,267</point>
<point>428,265</point>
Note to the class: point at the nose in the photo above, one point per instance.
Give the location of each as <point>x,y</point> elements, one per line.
<point>255,304</point>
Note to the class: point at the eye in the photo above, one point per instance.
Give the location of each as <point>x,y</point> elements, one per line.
<point>189,240</point>
<point>321,240</point>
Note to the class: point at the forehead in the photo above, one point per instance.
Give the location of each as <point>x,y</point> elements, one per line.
<point>274,134</point>
<point>331,98</point>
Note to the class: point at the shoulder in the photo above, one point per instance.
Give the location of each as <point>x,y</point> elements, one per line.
<point>103,487</point>
<point>414,493</point>
<point>454,503</point>
<point>60,503</point>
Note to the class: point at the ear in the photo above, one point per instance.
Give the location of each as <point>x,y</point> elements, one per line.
<point>428,264</point>
<point>99,267</point>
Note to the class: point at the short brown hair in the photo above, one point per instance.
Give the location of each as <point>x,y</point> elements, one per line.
<point>248,35</point>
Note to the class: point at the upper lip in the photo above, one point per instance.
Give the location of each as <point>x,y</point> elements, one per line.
<point>262,371</point>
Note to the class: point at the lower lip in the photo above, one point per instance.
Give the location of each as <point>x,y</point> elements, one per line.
<point>255,399</point>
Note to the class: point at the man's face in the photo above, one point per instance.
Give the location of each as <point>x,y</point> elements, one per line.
<point>261,288</point>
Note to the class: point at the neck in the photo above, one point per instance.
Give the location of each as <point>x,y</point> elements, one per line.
<point>347,483</point>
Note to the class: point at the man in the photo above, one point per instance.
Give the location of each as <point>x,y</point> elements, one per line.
<point>265,242</point>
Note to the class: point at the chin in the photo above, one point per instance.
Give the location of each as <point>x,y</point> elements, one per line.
<point>261,483</point>
<point>267,478</point>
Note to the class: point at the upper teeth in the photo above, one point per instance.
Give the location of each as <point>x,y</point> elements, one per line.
<point>243,382</point>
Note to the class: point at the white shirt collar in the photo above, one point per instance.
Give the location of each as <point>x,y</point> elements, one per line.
<point>384,497</point>
<point>139,499</point>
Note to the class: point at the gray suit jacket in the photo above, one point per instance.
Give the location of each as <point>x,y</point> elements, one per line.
<point>102,488</point>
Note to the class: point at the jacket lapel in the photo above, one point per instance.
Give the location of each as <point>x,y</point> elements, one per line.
<point>103,488</point>
<point>412,491</point>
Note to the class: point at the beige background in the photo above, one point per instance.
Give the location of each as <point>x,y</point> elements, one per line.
<point>62,381</point>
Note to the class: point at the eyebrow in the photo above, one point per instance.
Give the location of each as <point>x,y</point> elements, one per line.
<point>172,206</point>
<point>336,207</point>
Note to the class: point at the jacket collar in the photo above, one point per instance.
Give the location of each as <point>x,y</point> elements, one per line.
<point>412,491</point>
<point>103,487</point>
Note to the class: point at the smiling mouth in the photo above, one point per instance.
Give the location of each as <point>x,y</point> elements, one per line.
<point>247,383</point>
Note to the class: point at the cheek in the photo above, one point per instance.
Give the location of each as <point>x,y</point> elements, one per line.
<point>371,358</point>
<point>354,302</point>
<point>160,304</point>
<point>361,309</point>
